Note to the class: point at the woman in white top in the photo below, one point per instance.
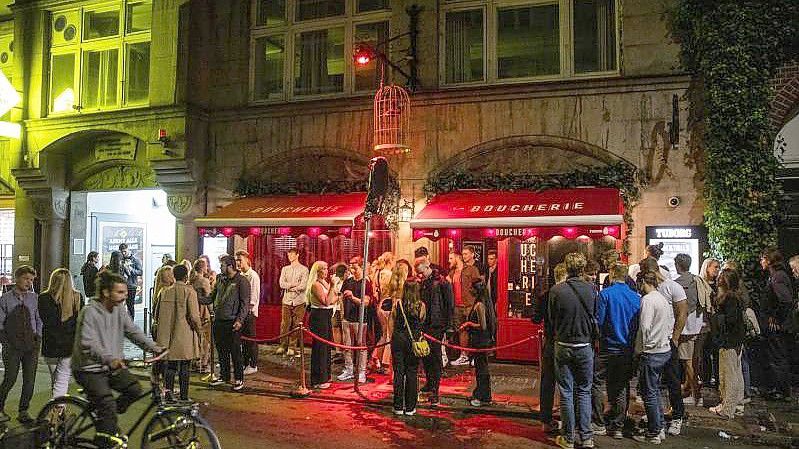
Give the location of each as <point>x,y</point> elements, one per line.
<point>321,299</point>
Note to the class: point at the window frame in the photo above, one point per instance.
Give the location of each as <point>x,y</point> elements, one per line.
<point>291,29</point>
<point>120,42</point>
<point>491,38</point>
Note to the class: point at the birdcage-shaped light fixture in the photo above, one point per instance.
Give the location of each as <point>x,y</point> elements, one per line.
<point>392,115</point>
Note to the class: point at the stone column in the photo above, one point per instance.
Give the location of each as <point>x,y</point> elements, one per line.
<point>185,207</point>
<point>50,210</point>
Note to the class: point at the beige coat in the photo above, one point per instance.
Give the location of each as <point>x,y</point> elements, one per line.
<point>178,318</point>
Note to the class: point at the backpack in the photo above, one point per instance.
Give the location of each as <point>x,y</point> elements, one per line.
<point>19,332</point>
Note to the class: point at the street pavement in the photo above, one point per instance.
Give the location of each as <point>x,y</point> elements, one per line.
<point>265,415</point>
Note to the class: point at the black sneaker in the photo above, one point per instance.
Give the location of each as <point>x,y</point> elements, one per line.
<point>433,401</point>
<point>426,389</point>
<point>25,418</point>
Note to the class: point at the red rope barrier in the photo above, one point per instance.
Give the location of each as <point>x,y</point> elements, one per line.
<point>340,346</point>
<point>266,340</point>
<point>495,348</point>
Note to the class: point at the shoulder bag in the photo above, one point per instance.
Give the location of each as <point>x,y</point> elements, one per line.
<point>420,347</point>
<point>595,332</point>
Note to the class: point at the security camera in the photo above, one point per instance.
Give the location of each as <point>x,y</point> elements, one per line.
<point>674,201</point>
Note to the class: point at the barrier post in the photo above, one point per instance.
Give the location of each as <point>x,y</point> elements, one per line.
<point>302,391</point>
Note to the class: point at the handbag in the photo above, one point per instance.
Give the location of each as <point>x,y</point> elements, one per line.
<point>596,333</point>
<point>420,347</point>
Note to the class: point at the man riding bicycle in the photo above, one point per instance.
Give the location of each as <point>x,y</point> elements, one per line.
<point>97,360</point>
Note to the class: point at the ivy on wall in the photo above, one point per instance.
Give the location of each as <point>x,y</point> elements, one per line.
<point>621,175</point>
<point>733,49</point>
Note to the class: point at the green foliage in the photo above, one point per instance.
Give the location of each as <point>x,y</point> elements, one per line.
<point>733,48</point>
<point>620,175</point>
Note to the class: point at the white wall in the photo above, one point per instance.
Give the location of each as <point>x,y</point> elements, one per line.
<point>786,145</point>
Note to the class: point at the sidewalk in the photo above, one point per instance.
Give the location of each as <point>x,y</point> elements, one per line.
<point>515,394</point>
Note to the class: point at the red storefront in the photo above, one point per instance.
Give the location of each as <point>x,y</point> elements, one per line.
<point>325,227</point>
<point>531,232</point>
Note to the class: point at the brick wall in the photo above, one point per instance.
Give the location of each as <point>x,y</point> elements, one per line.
<point>786,95</point>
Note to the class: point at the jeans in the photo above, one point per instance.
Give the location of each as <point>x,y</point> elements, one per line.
<point>13,360</point>
<point>181,368</point>
<point>350,338</point>
<point>620,369</point>
<point>319,324</point>
<point>546,392</point>
<point>249,349</point>
<point>228,346</point>
<point>746,372</point>
<point>574,369</point>
<point>60,373</point>
<point>406,368</point>
<point>130,301</point>
<point>432,363</point>
<point>291,317</point>
<point>650,371</point>
<point>673,377</point>
<point>482,391</point>
<point>599,387</point>
<point>98,388</point>
<point>731,382</point>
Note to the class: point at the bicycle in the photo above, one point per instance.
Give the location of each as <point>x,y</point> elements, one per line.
<point>68,422</point>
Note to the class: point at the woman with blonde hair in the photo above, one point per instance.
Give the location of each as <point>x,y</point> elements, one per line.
<point>389,297</point>
<point>320,297</point>
<point>164,278</point>
<point>58,307</point>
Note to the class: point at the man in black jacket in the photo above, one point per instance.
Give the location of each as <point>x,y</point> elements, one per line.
<point>777,309</point>
<point>436,293</point>
<point>131,270</point>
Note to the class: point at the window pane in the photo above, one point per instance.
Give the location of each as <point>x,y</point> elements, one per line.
<point>137,81</point>
<point>319,62</point>
<point>139,17</point>
<point>528,41</point>
<point>317,9</point>
<point>464,46</point>
<point>100,24</point>
<point>62,83</point>
<point>271,12</point>
<point>269,54</point>
<point>594,35</point>
<point>367,77</point>
<point>99,89</point>
<point>372,5</point>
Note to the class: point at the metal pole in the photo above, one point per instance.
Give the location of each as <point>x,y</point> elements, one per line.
<point>361,314</point>
<point>302,390</point>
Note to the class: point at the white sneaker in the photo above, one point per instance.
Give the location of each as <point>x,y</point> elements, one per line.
<point>361,378</point>
<point>462,360</point>
<point>238,385</point>
<point>689,401</point>
<point>410,412</point>
<point>739,410</point>
<point>675,427</point>
<point>250,370</point>
<point>290,353</point>
<point>700,402</point>
<point>345,376</point>
<point>444,359</point>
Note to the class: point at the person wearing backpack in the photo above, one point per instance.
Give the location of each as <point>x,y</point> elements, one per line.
<point>20,334</point>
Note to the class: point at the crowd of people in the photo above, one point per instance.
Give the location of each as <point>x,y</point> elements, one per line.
<point>678,330</point>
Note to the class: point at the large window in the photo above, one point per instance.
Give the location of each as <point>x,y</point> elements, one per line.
<point>303,48</point>
<point>100,56</point>
<point>492,41</point>
<point>6,241</point>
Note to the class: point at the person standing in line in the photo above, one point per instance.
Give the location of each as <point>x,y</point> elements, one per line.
<point>164,278</point>
<point>59,306</point>
<point>320,297</point>
<point>380,280</point>
<point>469,255</point>
<point>617,316</point>
<point>392,293</point>
<point>705,351</point>
<point>354,296</point>
<point>572,310</point>
<point>231,299</point>
<point>436,293</point>
<point>88,273</point>
<point>178,315</point>
<point>546,392</point>
<point>202,287</point>
<point>462,277</point>
<point>778,307</point>
<point>406,322</point>
<point>653,346</point>
<point>491,276</point>
<point>131,270</point>
<point>693,325</point>
<point>339,274</point>
<point>480,330</point>
<point>729,332</point>
<point>249,349</point>
<point>293,281</point>
<point>423,252</point>
<point>20,334</point>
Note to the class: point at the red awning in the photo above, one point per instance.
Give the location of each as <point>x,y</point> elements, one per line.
<point>519,209</point>
<point>328,210</point>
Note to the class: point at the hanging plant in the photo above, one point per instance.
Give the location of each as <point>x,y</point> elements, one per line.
<point>620,175</point>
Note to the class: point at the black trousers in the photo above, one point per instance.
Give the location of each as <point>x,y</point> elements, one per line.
<point>432,363</point>
<point>319,324</point>
<point>780,345</point>
<point>672,376</point>
<point>13,359</point>
<point>598,388</point>
<point>181,368</point>
<point>619,371</point>
<point>406,372</point>
<point>99,387</point>
<point>483,389</point>
<point>546,392</point>
<point>130,301</point>
<point>249,349</point>
<point>228,346</point>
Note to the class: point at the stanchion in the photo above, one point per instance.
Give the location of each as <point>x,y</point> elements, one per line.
<point>302,391</point>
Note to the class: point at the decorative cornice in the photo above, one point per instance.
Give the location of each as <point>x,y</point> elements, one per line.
<point>47,203</point>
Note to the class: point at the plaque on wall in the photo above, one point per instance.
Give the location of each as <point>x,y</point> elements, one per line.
<point>108,148</point>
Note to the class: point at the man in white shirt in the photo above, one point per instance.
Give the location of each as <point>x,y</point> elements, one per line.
<point>293,280</point>
<point>249,349</point>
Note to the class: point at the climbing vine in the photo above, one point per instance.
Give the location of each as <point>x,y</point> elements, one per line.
<point>620,175</point>
<point>732,49</point>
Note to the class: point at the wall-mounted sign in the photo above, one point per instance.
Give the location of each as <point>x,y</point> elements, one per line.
<point>107,148</point>
<point>689,240</point>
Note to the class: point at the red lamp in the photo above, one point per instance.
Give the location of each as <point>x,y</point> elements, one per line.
<point>363,54</point>
<point>227,232</point>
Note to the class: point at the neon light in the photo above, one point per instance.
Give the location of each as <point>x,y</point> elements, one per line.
<point>490,232</point>
<point>345,231</point>
<point>227,232</point>
<point>10,130</point>
<point>453,232</point>
<point>314,232</point>
<point>284,231</point>
<point>255,231</point>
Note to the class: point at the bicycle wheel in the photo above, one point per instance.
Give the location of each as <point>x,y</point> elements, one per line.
<point>170,429</point>
<point>67,423</point>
